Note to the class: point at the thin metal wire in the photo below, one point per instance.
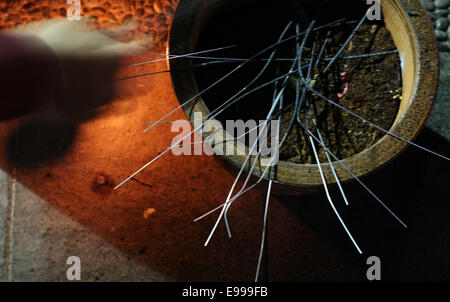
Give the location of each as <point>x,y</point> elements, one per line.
<point>356,178</point>
<point>329,197</point>
<point>263,236</point>
<point>184,55</point>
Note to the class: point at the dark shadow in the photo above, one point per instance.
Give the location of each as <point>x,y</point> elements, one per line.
<point>49,133</point>
<point>38,141</point>
<point>415,186</point>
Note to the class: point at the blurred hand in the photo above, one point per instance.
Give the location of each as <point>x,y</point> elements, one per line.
<point>88,61</point>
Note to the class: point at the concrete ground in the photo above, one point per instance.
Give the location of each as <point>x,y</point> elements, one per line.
<point>51,206</point>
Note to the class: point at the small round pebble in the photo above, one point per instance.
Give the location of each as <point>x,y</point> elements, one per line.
<point>440,35</point>
<point>428,4</point>
<point>441,23</point>
<point>441,12</point>
<point>432,16</point>
<point>441,3</point>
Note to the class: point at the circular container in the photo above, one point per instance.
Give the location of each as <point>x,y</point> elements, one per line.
<point>413,36</point>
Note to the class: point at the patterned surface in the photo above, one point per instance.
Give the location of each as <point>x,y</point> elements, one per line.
<point>151,17</point>
<point>438,11</point>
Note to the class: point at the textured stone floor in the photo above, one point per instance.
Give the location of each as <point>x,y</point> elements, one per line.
<point>438,11</point>
<point>49,210</point>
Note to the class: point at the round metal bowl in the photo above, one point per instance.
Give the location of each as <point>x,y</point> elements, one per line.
<point>413,36</point>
